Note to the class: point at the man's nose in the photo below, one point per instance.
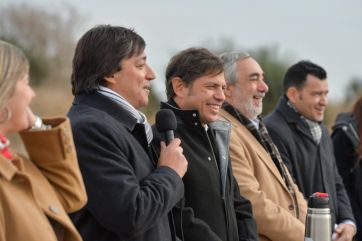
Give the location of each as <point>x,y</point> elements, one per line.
<point>150,75</point>
<point>263,87</point>
<point>220,94</point>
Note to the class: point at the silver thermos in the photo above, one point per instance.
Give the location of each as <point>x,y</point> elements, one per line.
<point>318,222</point>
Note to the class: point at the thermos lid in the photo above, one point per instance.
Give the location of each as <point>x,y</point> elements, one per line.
<point>318,200</point>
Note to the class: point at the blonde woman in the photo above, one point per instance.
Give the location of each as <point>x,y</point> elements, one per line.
<point>36,193</point>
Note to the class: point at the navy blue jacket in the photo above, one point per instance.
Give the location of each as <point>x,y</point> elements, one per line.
<point>128,198</point>
<point>312,165</point>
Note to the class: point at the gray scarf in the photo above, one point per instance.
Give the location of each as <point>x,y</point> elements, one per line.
<point>141,118</point>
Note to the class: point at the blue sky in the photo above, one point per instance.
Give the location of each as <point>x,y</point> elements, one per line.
<point>328,32</point>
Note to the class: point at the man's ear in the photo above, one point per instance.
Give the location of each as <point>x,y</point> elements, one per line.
<point>179,87</point>
<point>292,94</point>
<point>228,91</point>
<point>109,80</point>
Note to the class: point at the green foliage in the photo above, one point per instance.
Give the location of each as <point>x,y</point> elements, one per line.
<point>38,67</point>
<point>47,39</point>
<point>37,61</point>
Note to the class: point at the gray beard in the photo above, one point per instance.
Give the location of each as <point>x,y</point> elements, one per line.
<point>251,110</point>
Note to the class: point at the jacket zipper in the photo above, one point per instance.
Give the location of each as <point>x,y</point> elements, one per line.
<point>213,153</point>
<point>223,197</point>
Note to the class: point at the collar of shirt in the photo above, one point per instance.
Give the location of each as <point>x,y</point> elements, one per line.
<point>255,122</point>
<point>122,101</point>
<point>314,127</point>
<point>141,118</point>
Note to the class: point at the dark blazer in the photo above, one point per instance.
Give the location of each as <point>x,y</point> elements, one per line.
<point>213,208</point>
<point>129,199</point>
<point>313,166</point>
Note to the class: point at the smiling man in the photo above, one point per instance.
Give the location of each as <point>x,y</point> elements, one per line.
<point>130,192</point>
<point>212,209</point>
<point>304,143</point>
<point>279,208</point>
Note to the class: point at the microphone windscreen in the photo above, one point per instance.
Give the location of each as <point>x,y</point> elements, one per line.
<point>165,120</point>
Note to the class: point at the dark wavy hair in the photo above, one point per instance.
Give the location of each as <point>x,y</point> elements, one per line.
<point>99,53</point>
<point>191,64</point>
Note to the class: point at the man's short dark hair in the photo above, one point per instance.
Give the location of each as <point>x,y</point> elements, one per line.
<point>296,75</point>
<point>191,64</point>
<point>99,53</point>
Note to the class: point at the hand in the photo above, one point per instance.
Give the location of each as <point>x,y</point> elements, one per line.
<point>344,232</point>
<point>172,157</point>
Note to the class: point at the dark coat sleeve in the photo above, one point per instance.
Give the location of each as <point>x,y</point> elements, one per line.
<point>343,202</point>
<point>247,228</point>
<point>111,163</point>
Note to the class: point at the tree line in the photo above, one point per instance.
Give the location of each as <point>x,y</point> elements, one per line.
<point>48,39</point>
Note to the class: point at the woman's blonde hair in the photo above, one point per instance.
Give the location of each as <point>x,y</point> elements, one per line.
<point>13,67</point>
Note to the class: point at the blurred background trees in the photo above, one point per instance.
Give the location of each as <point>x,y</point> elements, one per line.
<point>275,64</point>
<point>354,89</point>
<point>49,38</point>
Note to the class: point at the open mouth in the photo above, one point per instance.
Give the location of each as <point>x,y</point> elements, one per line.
<point>320,111</point>
<point>259,96</point>
<point>214,107</point>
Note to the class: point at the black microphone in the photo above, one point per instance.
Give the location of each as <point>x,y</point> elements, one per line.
<point>166,124</point>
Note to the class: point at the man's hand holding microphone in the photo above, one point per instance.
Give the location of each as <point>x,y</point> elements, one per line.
<point>171,152</point>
